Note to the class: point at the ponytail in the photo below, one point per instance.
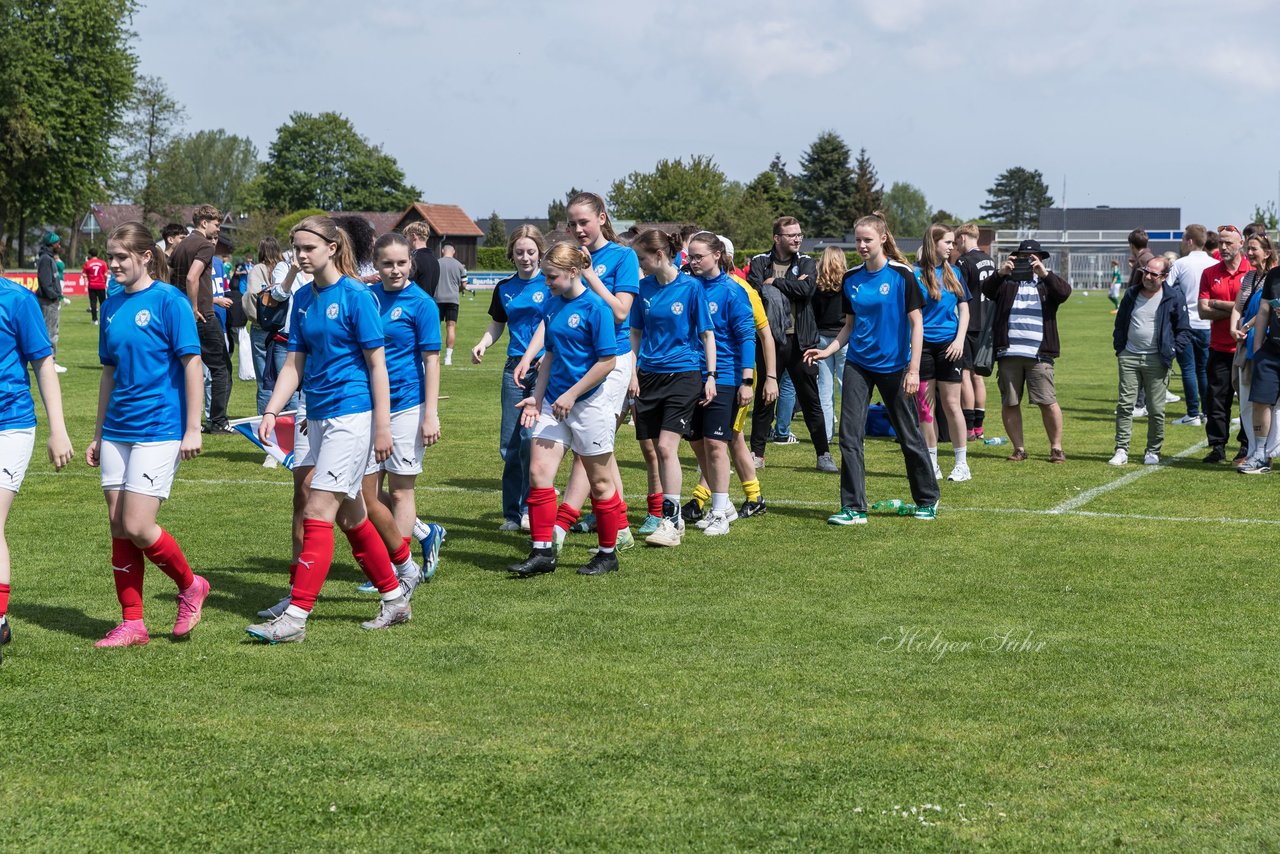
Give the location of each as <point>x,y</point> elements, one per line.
<point>566,257</point>
<point>596,204</point>
<point>877,221</point>
<point>327,230</point>
<point>137,239</point>
<point>651,241</point>
<point>158,266</point>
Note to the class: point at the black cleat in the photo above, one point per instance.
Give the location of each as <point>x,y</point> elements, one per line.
<point>1216,455</point>
<point>691,511</point>
<point>601,563</point>
<point>752,508</point>
<point>539,561</point>
<point>6,635</point>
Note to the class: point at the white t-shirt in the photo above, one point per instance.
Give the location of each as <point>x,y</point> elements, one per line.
<point>1185,274</point>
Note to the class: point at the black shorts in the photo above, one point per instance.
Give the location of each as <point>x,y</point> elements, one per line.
<point>715,420</point>
<point>1265,386</point>
<point>449,311</point>
<point>666,402</point>
<point>934,364</point>
<point>970,347</point>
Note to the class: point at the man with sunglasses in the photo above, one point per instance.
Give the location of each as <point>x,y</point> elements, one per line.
<point>1151,329</point>
<point>1219,285</point>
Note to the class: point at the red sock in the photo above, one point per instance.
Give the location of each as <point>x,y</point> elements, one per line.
<point>655,504</point>
<point>565,516</point>
<point>4,599</point>
<point>166,554</point>
<point>313,564</point>
<point>401,554</point>
<point>127,569</point>
<point>609,518</point>
<point>371,555</point>
<point>542,514</point>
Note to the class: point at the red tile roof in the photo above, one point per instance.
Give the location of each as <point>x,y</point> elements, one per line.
<point>445,220</point>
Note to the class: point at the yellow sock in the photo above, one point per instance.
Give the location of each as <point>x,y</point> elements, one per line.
<point>701,495</point>
<point>752,489</point>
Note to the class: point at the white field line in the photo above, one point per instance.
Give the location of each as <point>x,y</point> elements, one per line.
<point>1124,480</point>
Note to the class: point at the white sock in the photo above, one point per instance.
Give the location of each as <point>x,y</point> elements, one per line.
<point>719,502</point>
<point>962,456</point>
<point>541,545</point>
<point>402,569</point>
<point>606,551</point>
<point>394,594</point>
<point>933,456</point>
<point>563,532</point>
<point>448,353</point>
<point>420,529</point>
<point>297,613</point>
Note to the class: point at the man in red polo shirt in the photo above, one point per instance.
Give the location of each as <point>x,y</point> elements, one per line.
<point>95,277</point>
<point>1219,285</point>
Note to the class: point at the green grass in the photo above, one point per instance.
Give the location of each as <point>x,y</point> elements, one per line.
<point>737,693</point>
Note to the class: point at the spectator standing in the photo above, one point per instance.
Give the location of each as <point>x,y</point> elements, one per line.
<point>95,278</point>
<point>191,267</point>
<point>453,281</point>
<point>1194,360</point>
<point>1219,286</point>
<point>49,292</point>
<point>426,267</point>
<point>975,267</point>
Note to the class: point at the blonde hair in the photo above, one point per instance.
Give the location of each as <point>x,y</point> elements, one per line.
<point>831,269</point>
<point>327,230</point>
<point>876,221</point>
<point>417,229</point>
<point>137,238</point>
<point>525,232</point>
<point>967,230</point>
<point>567,256</point>
<point>929,263</point>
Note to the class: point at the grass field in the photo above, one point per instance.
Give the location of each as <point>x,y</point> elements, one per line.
<point>1092,677</point>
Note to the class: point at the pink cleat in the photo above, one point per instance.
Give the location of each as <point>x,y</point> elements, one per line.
<point>128,633</point>
<point>190,601</point>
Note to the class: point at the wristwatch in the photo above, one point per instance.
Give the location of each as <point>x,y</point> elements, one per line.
<point>749,381</point>
<point>713,375</point>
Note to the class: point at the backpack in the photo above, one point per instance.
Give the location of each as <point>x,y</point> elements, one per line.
<point>272,318</point>
<point>777,308</point>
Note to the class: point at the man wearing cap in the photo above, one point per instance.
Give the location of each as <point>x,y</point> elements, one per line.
<point>49,291</point>
<point>1219,285</point>
<point>1025,297</point>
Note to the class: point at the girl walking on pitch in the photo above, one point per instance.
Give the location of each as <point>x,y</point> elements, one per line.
<point>885,334</point>
<point>23,341</point>
<point>336,353</point>
<point>570,408</point>
<point>519,303</point>
<point>946,321</point>
<point>149,402</point>
<point>671,329</point>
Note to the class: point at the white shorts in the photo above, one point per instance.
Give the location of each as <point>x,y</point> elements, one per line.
<point>341,450</point>
<point>15,455</point>
<point>588,430</point>
<point>619,380</point>
<point>406,444</point>
<point>143,468</point>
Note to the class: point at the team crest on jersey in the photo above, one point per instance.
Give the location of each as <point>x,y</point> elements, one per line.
<point>332,311</point>
<point>142,318</point>
<point>574,320</point>
<point>714,308</point>
<point>395,312</point>
<point>537,297</point>
<point>884,289</point>
<point>600,268</point>
<point>677,308</point>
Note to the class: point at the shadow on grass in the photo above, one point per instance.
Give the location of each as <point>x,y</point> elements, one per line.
<point>70,621</point>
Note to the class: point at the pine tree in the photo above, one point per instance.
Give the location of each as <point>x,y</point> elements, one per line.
<point>868,192</point>
<point>497,233</point>
<point>1017,196</point>
<point>825,187</point>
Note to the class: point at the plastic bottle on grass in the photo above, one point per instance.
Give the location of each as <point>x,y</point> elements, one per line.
<point>903,508</point>
<point>996,440</point>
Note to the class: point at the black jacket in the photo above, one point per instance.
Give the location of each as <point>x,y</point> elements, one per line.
<point>1173,330</point>
<point>793,287</point>
<point>48,288</point>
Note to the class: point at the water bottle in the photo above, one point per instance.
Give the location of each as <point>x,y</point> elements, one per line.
<point>998,440</point>
<point>902,508</point>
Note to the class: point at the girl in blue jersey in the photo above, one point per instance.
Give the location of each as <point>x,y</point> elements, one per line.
<point>946,321</point>
<point>411,330</point>
<point>336,353</point>
<point>671,331</point>
<point>570,408</point>
<point>149,400</point>
<point>734,328</point>
<point>23,341</point>
<point>614,276</point>
<point>884,333</point>
<point>519,303</point>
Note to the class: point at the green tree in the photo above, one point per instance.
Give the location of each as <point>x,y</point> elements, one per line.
<point>558,210</point>
<point>945,217</point>
<point>868,192</point>
<point>321,161</point>
<point>779,198</point>
<point>150,127</point>
<point>1266,215</point>
<point>674,191</point>
<point>746,218</point>
<point>210,166</point>
<point>1017,196</point>
<point>497,233</point>
<point>66,72</point>
<point>906,209</point>
<point>824,188</point>
<point>778,168</point>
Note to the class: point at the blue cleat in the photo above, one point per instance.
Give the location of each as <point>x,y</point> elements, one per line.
<point>431,543</point>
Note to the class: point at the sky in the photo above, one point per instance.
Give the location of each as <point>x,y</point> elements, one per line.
<point>506,105</point>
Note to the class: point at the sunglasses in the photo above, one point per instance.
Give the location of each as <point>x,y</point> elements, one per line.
<point>1152,273</point>
<point>1228,228</point>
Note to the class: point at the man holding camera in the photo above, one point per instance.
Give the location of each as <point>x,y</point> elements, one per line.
<point>1025,297</point>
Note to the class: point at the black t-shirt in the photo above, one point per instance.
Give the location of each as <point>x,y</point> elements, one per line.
<point>828,310</point>
<point>427,270</point>
<point>1270,291</point>
<point>976,266</point>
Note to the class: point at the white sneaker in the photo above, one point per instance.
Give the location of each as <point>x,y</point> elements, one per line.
<point>524,522</point>
<point>717,524</point>
<point>1139,412</point>
<point>270,462</point>
<point>448,360</point>
<point>668,534</point>
<point>937,472</point>
<point>731,515</point>
<point>58,368</point>
<point>1190,420</point>
<point>1170,397</point>
<point>960,473</point>
<point>1150,459</point>
<point>758,462</point>
<point>1120,458</point>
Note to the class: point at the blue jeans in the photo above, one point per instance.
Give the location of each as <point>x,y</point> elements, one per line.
<point>1194,362</point>
<point>786,405</point>
<point>258,339</point>
<point>514,443</point>
<point>830,370</point>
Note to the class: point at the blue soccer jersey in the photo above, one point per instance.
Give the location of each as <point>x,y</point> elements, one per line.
<point>23,339</point>
<point>143,337</point>
<point>521,304</point>
<point>332,327</point>
<point>941,316</point>
<point>880,302</point>
<point>579,334</point>
<point>410,326</point>
<point>735,328</point>
<point>619,271</point>
<point>669,319</point>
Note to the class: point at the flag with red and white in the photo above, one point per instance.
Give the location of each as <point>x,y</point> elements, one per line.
<point>281,448</point>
